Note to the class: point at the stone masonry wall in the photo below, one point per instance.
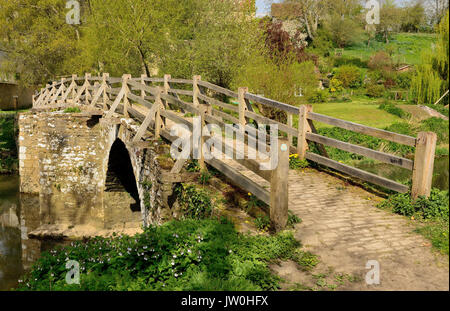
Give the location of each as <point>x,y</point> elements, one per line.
<point>64,158</point>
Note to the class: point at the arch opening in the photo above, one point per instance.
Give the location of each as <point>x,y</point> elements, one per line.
<point>120,176</point>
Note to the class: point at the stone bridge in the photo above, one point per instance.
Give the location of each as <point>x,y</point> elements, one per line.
<point>95,152</point>
<point>87,170</point>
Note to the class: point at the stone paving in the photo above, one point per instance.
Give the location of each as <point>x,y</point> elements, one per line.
<point>341,225</point>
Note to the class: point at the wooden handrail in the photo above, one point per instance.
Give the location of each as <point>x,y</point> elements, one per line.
<point>205,106</point>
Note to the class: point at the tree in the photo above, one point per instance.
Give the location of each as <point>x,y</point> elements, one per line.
<point>432,75</point>
<point>389,19</point>
<point>413,17</point>
<point>344,30</point>
<point>36,38</point>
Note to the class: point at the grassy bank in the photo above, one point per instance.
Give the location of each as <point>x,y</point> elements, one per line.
<point>431,215</point>
<point>179,255</point>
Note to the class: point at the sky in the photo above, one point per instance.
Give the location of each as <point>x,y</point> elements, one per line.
<point>262,8</point>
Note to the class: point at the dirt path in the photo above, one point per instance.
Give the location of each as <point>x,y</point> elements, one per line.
<point>342,226</point>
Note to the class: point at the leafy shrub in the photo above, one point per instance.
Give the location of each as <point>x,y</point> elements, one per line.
<point>403,79</point>
<point>375,90</point>
<point>262,223</point>
<point>437,125</point>
<point>295,163</point>
<point>434,207</point>
<point>72,110</point>
<point>380,61</point>
<point>177,256</point>
<point>204,178</point>
<point>349,75</point>
<point>346,60</point>
<point>7,134</point>
<point>293,220</point>
<point>393,109</point>
<point>336,85</point>
<point>193,166</point>
<point>306,260</point>
<point>318,96</point>
<point>195,202</point>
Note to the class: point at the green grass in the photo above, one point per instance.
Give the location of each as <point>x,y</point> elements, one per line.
<point>407,47</point>
<point>360,110</point>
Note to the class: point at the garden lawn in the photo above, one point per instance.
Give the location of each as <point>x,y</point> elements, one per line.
<point>407,47</point>
<point>364,112</point>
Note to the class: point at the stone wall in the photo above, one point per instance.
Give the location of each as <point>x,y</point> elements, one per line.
<point>64,158</point>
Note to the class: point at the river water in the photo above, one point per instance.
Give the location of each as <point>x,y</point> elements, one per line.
<point>19,214</point>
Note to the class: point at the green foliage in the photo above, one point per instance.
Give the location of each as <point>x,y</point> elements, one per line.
<point>293,220</point>
<point>306,260</point>
<point>7,134</point>
<point>72,110</point>
<point>438,234</point>
<point>434,207</point>
<point>318,96</point>
<point>375,90</point>
<point>262,223</point>
<point>432,76</point>
<point>437,125</point>
<point>432,211</point>
<point>336,85</point>
<point>179,255</point>
<point>204,178</point>
<point>193,166</point>
<point>295,163</point>
<point>403,79</point>
<point>195,202</point>
<point>393,109</point>
<point>349,75</point>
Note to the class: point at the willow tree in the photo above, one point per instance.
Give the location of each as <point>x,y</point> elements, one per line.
<point>431,79</point>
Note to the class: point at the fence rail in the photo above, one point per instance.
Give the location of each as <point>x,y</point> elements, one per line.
<point>199,98</point>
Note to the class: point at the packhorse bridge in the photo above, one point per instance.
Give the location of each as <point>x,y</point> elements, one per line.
<point>82,163</point>
<point>97,151</point>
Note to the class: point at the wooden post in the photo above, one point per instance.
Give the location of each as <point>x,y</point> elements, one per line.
<point>16,102</point>
<point>87,84</point>
<point>289,123</point>
<point>423,164</point>
<point>303,128</point>
<point>74,89</point>
<point>105,91</point>
<point>126,102</point>
<point>158,120</point>
<point>201,160</point>
<point>166,83</point>
<point>279,190</point>
<point>143,83</point>
<point>196,90</point>
<point>242,107</point>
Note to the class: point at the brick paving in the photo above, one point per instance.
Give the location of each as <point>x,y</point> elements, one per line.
<point>341,224</point>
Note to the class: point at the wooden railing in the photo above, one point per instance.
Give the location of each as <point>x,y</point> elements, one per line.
<point>159,95</point>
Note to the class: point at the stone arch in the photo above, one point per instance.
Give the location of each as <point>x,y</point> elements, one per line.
<point>120,175</point>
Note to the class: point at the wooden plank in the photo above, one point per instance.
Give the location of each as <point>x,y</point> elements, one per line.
<point>240,180</point>
<point>181,92</point>
<point>394,137</point>
<point>181,81</point>
<point>148,119</point>
<point>363,175</point>
<point>141,87</point>
<point>423,164</point>
<point>377,155</point>
<point>139,100</point>
<point>219,103</point>
<point>226,116</point>
<point>218,89</point>
<point>282,127</point>
<point>272,103</point>
<point>303,128</point>
<point>187,106</point>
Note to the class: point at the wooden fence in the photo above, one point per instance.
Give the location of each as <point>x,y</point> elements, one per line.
<point>161,95</point>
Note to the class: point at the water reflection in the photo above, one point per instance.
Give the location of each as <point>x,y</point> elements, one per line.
<point>19,214</point>
<point>440,176</point>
